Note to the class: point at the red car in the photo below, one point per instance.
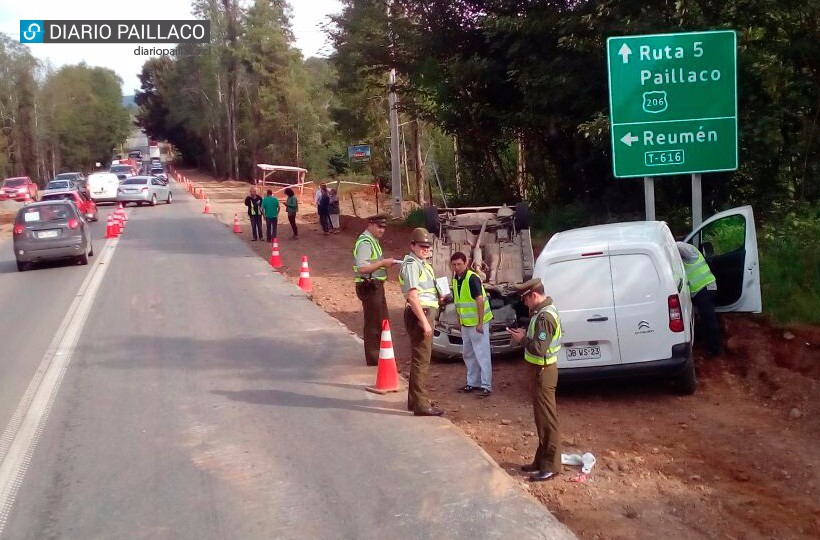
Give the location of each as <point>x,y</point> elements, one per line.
<point>85,205</point>
<point>17,187</point>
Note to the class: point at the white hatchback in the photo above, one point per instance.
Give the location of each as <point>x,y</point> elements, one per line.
<point>622,294</point>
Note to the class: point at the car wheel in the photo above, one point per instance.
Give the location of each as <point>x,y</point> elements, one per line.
<point>90,249</point>
<point>686,383</point>
<point>522,216</point>
<point>22,266</point>
<point>82,259</point>
<point>153,200</point>
<point>431,221</point>
<point>170,198</point>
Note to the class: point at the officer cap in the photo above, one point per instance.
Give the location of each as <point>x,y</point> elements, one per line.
<point>529,286</point>
<point>378,219</point>
<point>421,236</point>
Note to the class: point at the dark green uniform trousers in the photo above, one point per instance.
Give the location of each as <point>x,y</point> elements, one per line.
<point>374,307</point>
<point>420,350</point>
<point>548,455</point>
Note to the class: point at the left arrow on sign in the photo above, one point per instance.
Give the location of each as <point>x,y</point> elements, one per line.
<point>628,139</point>
<point>625,51</point>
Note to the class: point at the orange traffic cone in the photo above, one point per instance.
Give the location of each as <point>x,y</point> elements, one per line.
<point>207,209</point>
<point>387,375</point>
<point>236,228</point>
<point>115,218</point>
<point>110,232</point>
<point>202,193</point>
<point>276,259</point>
<point>304,276</point>
<point>121,216</point>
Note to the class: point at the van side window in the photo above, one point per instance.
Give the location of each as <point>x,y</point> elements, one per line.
<point>726,235</point>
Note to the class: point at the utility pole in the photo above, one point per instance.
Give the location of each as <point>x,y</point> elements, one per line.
<point>395,159</point>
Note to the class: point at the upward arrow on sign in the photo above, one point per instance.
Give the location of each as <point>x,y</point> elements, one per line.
<point>625,51</point>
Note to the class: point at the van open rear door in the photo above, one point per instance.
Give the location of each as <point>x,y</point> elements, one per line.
<point>581,289</point>
<point>728,241</point>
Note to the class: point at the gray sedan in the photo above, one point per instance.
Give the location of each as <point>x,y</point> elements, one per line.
<point>144,189</point>
<point>50,230</point>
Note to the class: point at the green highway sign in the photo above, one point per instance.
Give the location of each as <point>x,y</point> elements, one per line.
<point>673,103</point>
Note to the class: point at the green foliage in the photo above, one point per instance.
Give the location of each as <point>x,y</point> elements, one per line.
<point>415,218</point>
<point>790,266</point>
<point>56,121</point>
<point>726,235</point>
<point>249,85</point>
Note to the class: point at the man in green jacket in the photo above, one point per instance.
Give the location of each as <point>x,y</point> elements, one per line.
<point>270,209</point>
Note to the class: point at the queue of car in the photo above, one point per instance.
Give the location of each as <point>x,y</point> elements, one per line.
<point>55,223</point>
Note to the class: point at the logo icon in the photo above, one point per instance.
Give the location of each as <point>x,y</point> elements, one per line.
<point>643,325</point>
<point>655,102</point>
<point>32,31</point>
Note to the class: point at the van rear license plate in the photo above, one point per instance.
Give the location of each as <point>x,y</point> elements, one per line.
<point>583,353</point>
<point>48,234</point>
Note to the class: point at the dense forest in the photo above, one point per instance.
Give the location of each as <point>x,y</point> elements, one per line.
<point>56,120</point>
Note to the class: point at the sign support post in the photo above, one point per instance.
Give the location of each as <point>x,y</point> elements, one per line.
<point>649,197</point>
<point>697,201</point>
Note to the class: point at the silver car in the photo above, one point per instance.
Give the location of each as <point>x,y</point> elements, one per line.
<point>50,230</point>
<point>144,190</point>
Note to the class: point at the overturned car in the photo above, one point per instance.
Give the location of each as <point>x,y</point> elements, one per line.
<point>497,242</point>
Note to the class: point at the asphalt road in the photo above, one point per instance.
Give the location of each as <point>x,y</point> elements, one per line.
<point>189,392</point>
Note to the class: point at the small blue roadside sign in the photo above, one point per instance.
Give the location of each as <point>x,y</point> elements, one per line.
<point>358,153</point>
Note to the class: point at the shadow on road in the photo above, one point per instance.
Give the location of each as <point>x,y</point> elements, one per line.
<point>282,398</point>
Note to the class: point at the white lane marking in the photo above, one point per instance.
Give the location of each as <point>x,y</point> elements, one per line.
<point>23,431</point>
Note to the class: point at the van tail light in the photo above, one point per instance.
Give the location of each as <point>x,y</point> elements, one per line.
<point>73,223</point>
<point>675,314</point>
<point>19,229</point>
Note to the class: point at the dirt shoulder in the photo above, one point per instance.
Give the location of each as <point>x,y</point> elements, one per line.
<point>739,459</point>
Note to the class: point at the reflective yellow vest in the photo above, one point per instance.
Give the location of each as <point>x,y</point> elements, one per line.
<point>698,275</point>
<point>555,345</point>
<point>375,255</point>
<point>465,304</point>
<point>428,295</point>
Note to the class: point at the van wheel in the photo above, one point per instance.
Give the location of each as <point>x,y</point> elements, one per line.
<point>686,383</point>
<point>22,266</point>
<point>82,259</point>
<point>90,250</point>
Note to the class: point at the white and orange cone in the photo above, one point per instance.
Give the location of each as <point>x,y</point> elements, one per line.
<point>275,258</point>
<point>236,228</point>
<point>304,276</point>
<point>207,209</point>
<point>387,374</point>
<point>110,229</point>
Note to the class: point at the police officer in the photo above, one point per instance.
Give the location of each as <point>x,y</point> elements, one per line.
<point>541,342</point>
<point>418,284</point>
<point>370,269</point>
<point>702,289</point>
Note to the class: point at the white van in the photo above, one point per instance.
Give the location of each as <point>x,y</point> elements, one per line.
<point>102,186</point>
<point>622,294</point>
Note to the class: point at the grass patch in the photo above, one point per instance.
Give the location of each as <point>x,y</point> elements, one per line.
<point>790,267</point>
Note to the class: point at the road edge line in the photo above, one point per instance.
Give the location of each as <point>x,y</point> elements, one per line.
<point>22,434</point>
